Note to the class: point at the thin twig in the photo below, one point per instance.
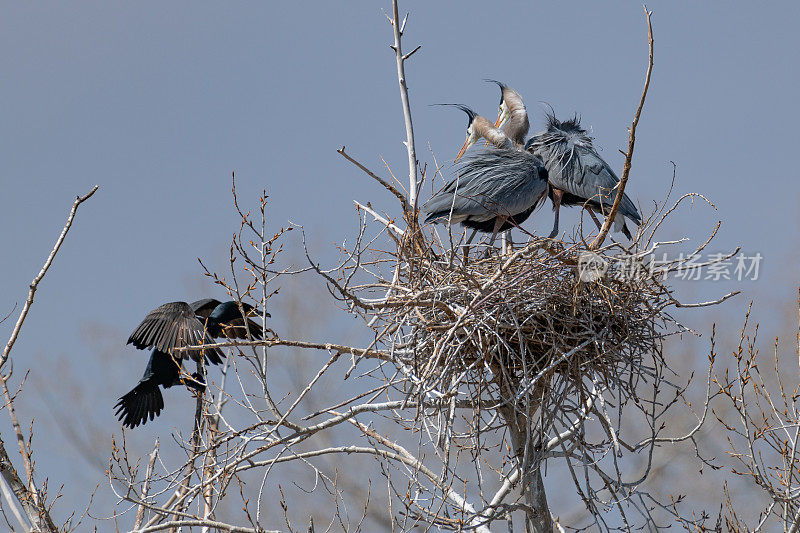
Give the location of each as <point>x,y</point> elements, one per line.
<point>35,283</point>
<point>146,487</point>
<point>391,188</point>
<point>626,169</point>
<point>401,78</point>
<point>388,223</point>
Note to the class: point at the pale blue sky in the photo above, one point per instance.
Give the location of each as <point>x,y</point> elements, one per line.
<point>158,102</point>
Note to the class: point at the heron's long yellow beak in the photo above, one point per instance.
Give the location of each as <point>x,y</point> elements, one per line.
<point>499,118</point>
<point>467,144</point>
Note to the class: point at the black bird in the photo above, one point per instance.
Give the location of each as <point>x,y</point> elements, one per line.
<point>223,319</point>
<point>176,325</point>
<point>145,399</point>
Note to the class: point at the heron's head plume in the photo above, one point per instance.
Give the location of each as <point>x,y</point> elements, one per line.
<point>511,103</point>
<point>470,113</point>
<point>571,125</point>
<point>472,135</point>
<point>559,135</point>
<point>500,84</point>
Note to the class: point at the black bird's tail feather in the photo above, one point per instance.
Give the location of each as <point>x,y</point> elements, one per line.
<point>143,401</point>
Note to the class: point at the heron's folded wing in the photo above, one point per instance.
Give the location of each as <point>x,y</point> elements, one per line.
<point>576,168</point>
<point>597,180</point>
<point>491,183</point>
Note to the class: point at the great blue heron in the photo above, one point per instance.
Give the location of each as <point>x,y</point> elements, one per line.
<point>577,173</point>
<point>177,325</point>
<point>512,116</point>
<point>495,190</point>
<point>479,127</point>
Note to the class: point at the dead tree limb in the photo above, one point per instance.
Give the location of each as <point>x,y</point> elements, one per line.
<point>401,78</point>
<point>626,169</point>
<point>27,494</point>
<point>35,283</point>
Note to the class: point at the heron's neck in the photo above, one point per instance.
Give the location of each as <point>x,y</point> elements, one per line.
<point>517,126</point>
<point>495,136</point>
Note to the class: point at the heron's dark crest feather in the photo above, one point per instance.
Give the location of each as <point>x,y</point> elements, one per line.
<point>470,113</point>
<point>499,84</point>
<point>571,125</point>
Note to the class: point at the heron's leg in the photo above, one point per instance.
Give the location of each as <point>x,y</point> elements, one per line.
<point>466,244</point>
<point>504,242</point>
<point>557,195</point>
<point>594,217</point>
<point>498,223</point>
<point>597,221</point>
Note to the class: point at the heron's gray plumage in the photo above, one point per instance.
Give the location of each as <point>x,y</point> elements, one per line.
<point>490,183</point>
<point>575,167</point>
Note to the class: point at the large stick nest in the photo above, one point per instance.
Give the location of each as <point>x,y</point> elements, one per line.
<point>527,330</point>
<point>528,319</point>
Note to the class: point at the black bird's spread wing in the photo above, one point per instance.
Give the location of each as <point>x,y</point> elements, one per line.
<point>143,402</point>
<point>203,308</point>
<point>173,325</point>
<point>177,325</point>
<point>166,327</point>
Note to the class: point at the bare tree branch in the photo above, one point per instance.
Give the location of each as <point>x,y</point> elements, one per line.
<point>401,78</point>
<point>391,188</point>
<point>626,169</point>
<point>35,283</point>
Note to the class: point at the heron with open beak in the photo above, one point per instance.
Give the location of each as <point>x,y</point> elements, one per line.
<point>479,127</point>
<point>512,117</point>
